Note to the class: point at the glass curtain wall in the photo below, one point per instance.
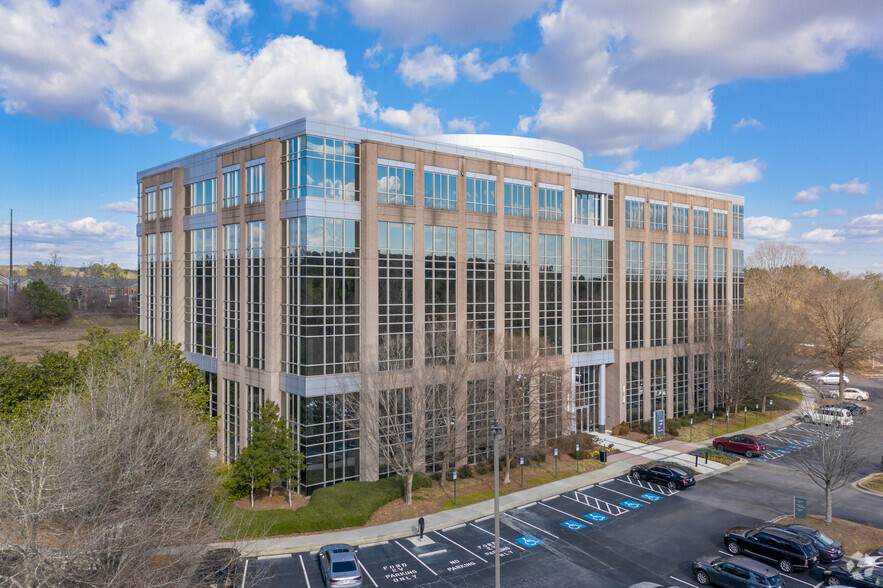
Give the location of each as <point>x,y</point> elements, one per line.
<point>551,294</point>
<point>396,295</point>
<point>592,298</point>
<point>201,291</point>
<point>440,323</point>
<point>480,299</point>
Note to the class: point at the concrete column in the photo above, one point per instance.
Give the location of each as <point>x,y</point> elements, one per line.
<point>368,321</point>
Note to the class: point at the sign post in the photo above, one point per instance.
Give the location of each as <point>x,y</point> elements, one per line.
<point>659,422</point>
<point>577,458</point>
<point>556,463</point>
<point>455,486</point>
<point>521,462</point>
<point>691,429</point>
<point>799,507</point>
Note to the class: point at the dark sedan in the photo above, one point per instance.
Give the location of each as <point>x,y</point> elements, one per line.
<point>854,408</point>
<point>736,572</point>
<point>829,550</point>
<point>774,544</point>
<point>746,444</point>
<point>860,577</point>
<point>663,474</point>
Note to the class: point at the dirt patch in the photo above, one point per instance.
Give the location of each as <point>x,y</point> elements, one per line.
<point>26,342</point>
<point>853,536</point>
<point>279,500</point>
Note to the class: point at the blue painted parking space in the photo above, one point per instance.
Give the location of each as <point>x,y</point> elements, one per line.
<point>597,517</point>
<point>631,504</point>
<point>651,497</point>
<point>573,525</point>
<point>529,541</point>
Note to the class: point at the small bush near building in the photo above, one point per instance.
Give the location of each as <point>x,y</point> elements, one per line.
<point>465,471</point>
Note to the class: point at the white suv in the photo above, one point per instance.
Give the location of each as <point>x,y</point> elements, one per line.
<point>833,378</point>
<point>828,415</point>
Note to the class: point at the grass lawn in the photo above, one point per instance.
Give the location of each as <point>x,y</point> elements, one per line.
<point>853,536</point>
<point>875,483</point>
<point>26,342</point>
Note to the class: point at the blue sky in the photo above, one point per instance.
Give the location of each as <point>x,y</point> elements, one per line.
<point>776,101</point>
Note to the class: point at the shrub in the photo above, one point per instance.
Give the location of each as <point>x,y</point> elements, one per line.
<point>465,471</point>
<point>536,453</point>
<point>624,429</point>
<point>421,481</point>
<point>567,443</point>
<point>435,476</point>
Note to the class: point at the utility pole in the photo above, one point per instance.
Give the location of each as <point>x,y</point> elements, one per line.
<point>9,288</point>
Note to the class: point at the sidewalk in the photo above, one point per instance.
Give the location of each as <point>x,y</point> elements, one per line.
<point>633,453</point>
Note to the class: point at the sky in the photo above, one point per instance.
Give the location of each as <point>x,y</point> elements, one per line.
<point>779,102</point>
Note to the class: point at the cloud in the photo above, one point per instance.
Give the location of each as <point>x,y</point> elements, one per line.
<point>766,227</point>
<point>428,68</point>
<point>836,212</point>
<point>813,213</point>
<point>466,125</point>
<point>627,166</point>
<point>129,66</point>
<point>868,227</point>
<point>371,55</point>
<point>420,120</point>
<point>458,21</point>
<point>714,174</point>
<point>822,236</point>
<point>80,241</point>
<point>853,186</point>
<point>808,195</point>
<point>744,123</point>
<point>477,71</point>
<point>615,76</point>
<point>127,206</point>
<point>311,8</point>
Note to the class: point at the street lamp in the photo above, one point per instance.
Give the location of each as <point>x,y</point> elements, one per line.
<point>454,473</point>
<point>577,458</point>
<point>496,430</point>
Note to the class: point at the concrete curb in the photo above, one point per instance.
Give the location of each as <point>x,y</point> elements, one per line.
<point>858,486</point>
<point>459,516</point>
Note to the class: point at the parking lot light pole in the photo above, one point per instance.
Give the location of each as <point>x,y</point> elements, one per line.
<point>556,463</point>
<point>577,458</point>
<point>496,430</point>
<point>454,473</point>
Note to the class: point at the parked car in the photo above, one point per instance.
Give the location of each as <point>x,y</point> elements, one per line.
<point>855,394</point>
<point>339,566</point>
<point>747,444</point>
<point>833,379</point>
<point>665,475</point>
<point>827,415</point>
<point>854,408</point>
<point>814,374</point>
<point>871,560</point>
<point>735,571</point>
<point>774,544</point>
<point>219,568</point>
<point>861,577</point>
<point>829,550</point>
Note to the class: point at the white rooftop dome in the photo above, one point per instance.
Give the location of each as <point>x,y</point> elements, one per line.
<point>528,147</point>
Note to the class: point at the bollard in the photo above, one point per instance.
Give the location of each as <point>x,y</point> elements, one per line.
<point>422,525</point>
<point>706,456</point>
<point>697,461</point>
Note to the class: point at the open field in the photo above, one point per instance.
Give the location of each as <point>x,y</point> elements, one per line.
<point>26,342</point>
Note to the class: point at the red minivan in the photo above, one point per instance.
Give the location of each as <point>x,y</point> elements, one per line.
<point>747,444</point>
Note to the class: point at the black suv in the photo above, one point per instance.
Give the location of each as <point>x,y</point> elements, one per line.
<point>829,550</point>
<point>774,544</point>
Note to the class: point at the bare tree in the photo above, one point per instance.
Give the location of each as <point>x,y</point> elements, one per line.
<point>846,315</point>
<point>834,455</point>
<point>54,269</point>
<point>776,273</point>
<point>111,486</point>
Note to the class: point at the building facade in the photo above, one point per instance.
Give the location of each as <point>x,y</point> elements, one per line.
<point>288,261</point>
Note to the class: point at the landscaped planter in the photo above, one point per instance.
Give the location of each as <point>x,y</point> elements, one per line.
<point>656,439</point>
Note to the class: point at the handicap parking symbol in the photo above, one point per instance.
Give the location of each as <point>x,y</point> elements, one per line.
<point>651,497</point>
<point>528,541</point>
<point>596,516</point>
<point>760,459</point>
<point>573,525</point>
<point>631,504</point>
<point>793,447</point>
<point>782,451</point>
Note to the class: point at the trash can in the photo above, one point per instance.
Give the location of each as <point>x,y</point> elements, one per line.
<point>603,455</point>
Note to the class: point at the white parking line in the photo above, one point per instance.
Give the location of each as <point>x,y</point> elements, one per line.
<point>798,580</point>
<point>534,526</point>
<point>365,570</point>
<point>460,546</point>
<point>244,574</point>
<point>623,493</point>
<point>416,558</point>
<point>304,568</point>
<point>280,556</point>
<point>562,512</point>
<point>684,581</point>
<point>501,538</point>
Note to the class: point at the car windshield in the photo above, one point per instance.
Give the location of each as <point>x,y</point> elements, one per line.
<point>680,472</point>
<point>824,539</point>
<point>342,567</point>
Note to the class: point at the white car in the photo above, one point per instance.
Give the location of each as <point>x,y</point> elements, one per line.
<point>832,378</point>
<point>828,415</point>
<point>854,394</point>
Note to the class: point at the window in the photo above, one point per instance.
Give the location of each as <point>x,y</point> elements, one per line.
<point>200,197</point>
<point>634,391</point>
<point>481,195</point>
<point>658,384</point>
<point>700,382</point>
<point>634,214</point>
<point>150,287</point>
<point>480,300</point>
<point>738,280</point>
<point>587,209</point>
<point>254,183</point>
<point>700,294</point>
<point>165,197</point>
<point>440,323</point>
<point>200,293</point>
<point>552,408</point>
<point>150,196</point>
<point>517,200</point>
<point>680,218</point>
<point>396,295</point>
<point>720,292</point>
<point>320,296</point>
<point>658,216</point>
<point>592,298</point>
<point>551,294</point>
<point>255,398</point>
<point>658,298</point>
<point>396,426</point>
<point>738,221</point>
<point>680,291</point>
<point>316,167</point>
<point>517,287</point>
<point>395,185</point>
<point>231,419</point>
<point>720,223</point>
<point>255,308</point>
<point>440,190</point>
<point>479,413</point>
<point>231,188</point>
<point>326,429</point>
<point>680,385</point>
<point>165,259</point>
<point>700,221</point>
<point>634,294</point>
<point>232,316</point>
<point>440,427</point>
<point>586,382</point>
<point>551,204</point>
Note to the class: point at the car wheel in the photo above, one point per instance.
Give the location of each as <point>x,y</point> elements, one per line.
<point>636,476</point>
<point>785,565</point>
<point>749,454</point>
<point>832,581</point>
<point>719,446</point>
<point>672,485</point>
<point>702,578</point>
<point>734,548</point>
<point>807,419</point>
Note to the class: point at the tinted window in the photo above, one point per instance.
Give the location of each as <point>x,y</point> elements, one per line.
<point>740,573</point>
<point>341,567</point>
